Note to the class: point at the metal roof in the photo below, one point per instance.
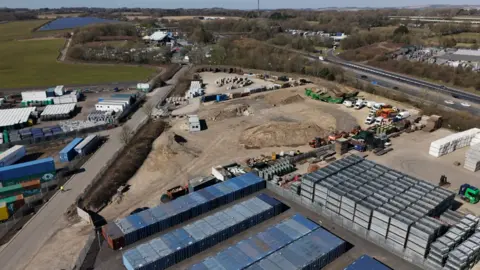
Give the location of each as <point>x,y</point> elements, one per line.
<point>10,117</point>
<point>59,109</point>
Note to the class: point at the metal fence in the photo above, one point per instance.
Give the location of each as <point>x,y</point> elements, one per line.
<point>349,225</point>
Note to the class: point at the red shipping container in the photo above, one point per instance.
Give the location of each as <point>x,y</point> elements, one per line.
<point>19,202</point>
<point>113,235</point>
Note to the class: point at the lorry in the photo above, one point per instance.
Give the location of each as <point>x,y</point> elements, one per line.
<point>469,193</point>
<point>193,185</point>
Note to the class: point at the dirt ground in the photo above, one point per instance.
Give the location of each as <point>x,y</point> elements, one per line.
<point>63,248</point>
<point>209,79</point>
<point>171,163</point>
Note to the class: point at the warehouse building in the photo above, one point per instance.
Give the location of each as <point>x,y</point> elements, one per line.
<point>15,118</point>
<point>57,112</point>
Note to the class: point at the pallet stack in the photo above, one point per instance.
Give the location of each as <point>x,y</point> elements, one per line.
<point>472,158</point>
<point>452,142</point>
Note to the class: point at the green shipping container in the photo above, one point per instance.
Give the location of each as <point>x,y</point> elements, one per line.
<point>11,190</point>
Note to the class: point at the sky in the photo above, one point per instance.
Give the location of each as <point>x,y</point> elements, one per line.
<point>233,4</point>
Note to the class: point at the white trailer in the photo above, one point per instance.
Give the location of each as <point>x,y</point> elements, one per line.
<point>105,107</point>
<point>88,145</point>
<point>12,155</point>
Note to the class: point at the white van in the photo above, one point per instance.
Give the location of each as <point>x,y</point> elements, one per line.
<point>370,119</point>
<point>348,103</point>
<point>403,115</point>
<point>359,104</point>
<point>379,120</point>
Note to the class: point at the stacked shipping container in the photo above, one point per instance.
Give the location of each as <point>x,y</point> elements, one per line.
<point>12,155</point>
<point>366,262</point>
<point>25,188</point>
<point>196,237</point>
<point>259,246</point>
<point>313,251</point>
<point>121,232</point>
<point>17,173</point>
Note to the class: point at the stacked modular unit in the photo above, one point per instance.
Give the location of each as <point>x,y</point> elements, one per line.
<point>259,246</point>
<point>121,233</point>
<point>381,202</point>
<point>12,155</point>
<point>465,255</point>
<point>279,168</point>
<point>313,251</point>
<point>366,262</point>
<point>451,218</point>
<point>14,174</point>
<point>88,145</point>
<point>309,190</point>
<point>422,233</point>
<point>441,248</point>
<point>180,244</point>
<point>68,153</point>
<point>452,142</point>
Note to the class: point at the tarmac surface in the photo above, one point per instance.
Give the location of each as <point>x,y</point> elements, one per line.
<point>30,239</point>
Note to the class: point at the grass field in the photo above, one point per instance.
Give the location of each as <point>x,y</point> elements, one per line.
<point>33,63</point>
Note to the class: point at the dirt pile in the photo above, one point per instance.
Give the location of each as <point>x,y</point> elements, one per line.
<point>274,134</point>
<point>283,98</point>
<point>219,112</point>
<point>165,151</point>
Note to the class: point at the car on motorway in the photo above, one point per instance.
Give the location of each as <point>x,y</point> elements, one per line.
<point>449,102</point>
<point>395,88</point>
<point>465,104</point>
<point>364,77</point>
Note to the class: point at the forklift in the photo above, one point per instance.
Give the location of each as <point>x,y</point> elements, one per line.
<point>469,193</point>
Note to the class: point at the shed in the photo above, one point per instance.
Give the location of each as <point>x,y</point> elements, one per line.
<point>194,123</point>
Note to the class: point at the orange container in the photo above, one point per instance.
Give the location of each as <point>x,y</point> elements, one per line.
<point>34,184</point>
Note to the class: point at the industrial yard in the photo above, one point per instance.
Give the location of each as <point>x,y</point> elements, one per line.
<point>285,136</point>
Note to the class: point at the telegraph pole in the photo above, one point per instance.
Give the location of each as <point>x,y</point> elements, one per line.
<point>258,7</point>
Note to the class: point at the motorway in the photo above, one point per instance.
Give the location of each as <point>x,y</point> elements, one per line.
<point>17,253</point>
<point>411,86</point>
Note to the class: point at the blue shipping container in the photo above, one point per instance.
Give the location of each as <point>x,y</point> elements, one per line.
<point>27,170</point>
<point>68,153</point>
<point>366,262</point>
<point>194,238</point>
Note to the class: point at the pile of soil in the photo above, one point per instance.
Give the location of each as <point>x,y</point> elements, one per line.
<point>283,97</point>
<point>220,112</point>
<point>274,134</point>
<point>164,151</point>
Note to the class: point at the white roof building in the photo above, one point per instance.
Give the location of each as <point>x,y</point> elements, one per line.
<point>10,117</point>
<point>157,36</point>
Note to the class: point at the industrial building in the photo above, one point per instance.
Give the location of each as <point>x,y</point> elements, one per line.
<point>56,112</point>
<point>15,118</point>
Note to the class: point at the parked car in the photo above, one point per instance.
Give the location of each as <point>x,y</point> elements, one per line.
<point>379,120</point>
<point>359,104</point>
<point>370,120</point>
<point>348,103</point>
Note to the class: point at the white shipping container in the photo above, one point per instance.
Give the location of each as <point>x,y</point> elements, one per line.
<point>12,155</point>
<point>65,99</point>
<point>34,96</point>
<point>105,107</point>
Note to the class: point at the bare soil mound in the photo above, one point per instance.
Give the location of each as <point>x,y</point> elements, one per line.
<point>218,113</point>
<point>274,134</point>
<point>283,98</point>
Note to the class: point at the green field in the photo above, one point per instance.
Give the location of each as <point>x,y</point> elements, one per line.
<point>32,63</point>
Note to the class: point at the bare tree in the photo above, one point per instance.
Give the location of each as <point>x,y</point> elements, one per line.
<point>148,109</point>
<point>126,134</point>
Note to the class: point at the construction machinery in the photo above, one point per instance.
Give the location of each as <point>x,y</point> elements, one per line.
<point>317,142</point>
<point>443,181</point>
<point>469,193</point>
<point>174,193</point>
<point>386,112</point>
<point>337,135</point>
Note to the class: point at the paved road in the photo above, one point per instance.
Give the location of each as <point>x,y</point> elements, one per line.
<point>23,247</point>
